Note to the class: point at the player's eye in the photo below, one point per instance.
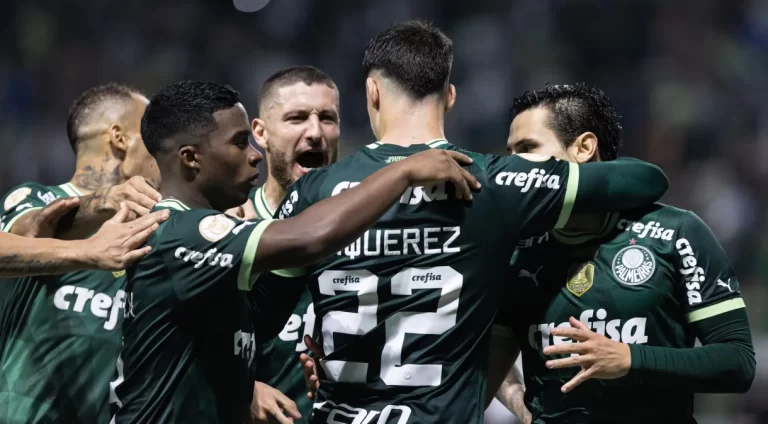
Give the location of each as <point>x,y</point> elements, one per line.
<point>329,118</point>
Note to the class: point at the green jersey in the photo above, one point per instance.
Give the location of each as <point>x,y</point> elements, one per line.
<point>405,311</point>
<point>277,361</point>
<point>188,332</point>
<point>645,279</point>
<point>59,334</point>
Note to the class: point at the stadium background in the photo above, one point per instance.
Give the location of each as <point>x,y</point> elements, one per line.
<point>690,78</point>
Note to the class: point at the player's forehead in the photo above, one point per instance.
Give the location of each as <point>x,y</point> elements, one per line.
<point>532,124</point>
<point>300,96</point>
<point>231,121</point>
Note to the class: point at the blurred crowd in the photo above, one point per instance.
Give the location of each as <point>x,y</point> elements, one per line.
<point>689,77</point>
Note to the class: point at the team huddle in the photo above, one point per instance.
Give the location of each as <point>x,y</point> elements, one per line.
<point>397,285</point>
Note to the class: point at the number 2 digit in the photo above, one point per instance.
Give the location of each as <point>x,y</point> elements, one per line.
<point>393,371</point>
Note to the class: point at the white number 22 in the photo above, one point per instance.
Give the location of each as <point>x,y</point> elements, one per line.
<point>393,371</point>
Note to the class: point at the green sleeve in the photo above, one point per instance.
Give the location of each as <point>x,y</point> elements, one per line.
<point>273,301</point>
<point>537,193</point>
<point>724,364</point>
<point>534,193</point>
<point>204,249</point>
<point>302,194</point>
<point>21,200</point>
<point>618,185</point>
<point>707,285</point>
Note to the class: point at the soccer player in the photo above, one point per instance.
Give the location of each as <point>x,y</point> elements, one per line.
<point>405,311</point>
<point>606,316</point>
<point>112,248</point>
<point>190,329</point>
<point>298,129</point>
<point>59,339</point>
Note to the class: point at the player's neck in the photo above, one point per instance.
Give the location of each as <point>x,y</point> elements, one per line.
<point>274,193</point>
<point>412,125</point>
<point>94,172</point>
<point>186,193</point>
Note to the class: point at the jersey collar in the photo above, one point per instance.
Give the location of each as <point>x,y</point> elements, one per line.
<point>171,203</point>
<point>261,204</point>
<point>432,144</point>
<point>71,190</point>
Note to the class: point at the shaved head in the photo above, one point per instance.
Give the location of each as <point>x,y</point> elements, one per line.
<point>100,107</point>
<point>308,75</point>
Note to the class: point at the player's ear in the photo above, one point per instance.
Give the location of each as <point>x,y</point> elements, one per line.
<point>259,132</point>
<point>450,97</point>
<point>372,93</point>
<point>584,148</point>
<point>188,156</point>
<point>118,140</point>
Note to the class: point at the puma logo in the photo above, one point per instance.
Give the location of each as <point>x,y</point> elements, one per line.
<point>722,283</point>
<point>524,273</point>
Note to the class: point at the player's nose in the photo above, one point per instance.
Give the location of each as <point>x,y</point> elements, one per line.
<point>254,157</point>
<point>314,133</point>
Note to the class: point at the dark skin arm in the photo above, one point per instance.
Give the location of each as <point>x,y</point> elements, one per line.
<point>333,223</point>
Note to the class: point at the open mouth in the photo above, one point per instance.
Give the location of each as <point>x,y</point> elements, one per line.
<point>311,159</point>
<point>254,179</point>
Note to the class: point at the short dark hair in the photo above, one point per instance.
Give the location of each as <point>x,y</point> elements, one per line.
<point>89,101</point>
<point>184,107</point>
<point>415,54</point>
<point>307,74</point>
<point>576,109</point>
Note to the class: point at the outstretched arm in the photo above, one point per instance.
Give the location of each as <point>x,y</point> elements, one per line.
<point>618,185</point>
<point>537,193</point>
<point>333,223</point>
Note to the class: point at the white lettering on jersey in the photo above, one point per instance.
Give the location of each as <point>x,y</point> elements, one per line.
<point>411,196</point>
<point>242,226</point>
<point>210,258</point>
<point>416,195</point>
<point>526,243</point>
<point>409,241</point>
<point>290,332</point>
<point>245,345</point>
<point>629,331</point>
<point>690,271</point>
<point>343,186</point>
<point>343,413</point>
<point>23,206</point>
<point>47,197</point>
<point>650,229</point>
<point>535,178</point>
<point>76,298</point>
<point>288,206</point>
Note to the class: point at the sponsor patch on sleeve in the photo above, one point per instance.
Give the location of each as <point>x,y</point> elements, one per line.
<point>214,227</point>
<point>16,197</point>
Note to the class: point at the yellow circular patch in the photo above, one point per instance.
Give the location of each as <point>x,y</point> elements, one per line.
<point>16,197</point>
<point>215,227</point>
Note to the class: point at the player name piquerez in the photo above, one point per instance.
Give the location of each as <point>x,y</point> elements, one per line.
<point>404,241</point>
